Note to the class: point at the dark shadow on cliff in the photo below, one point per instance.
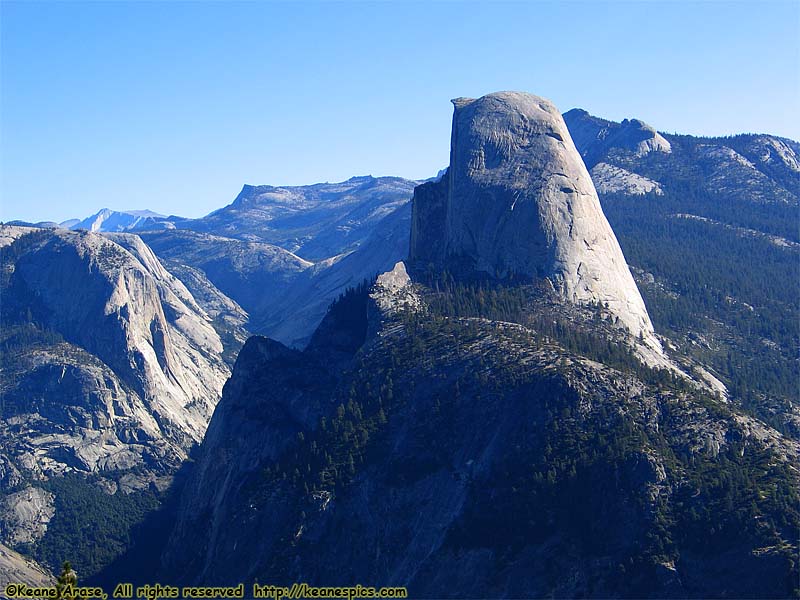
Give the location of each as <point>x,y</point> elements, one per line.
<point>139,565</point>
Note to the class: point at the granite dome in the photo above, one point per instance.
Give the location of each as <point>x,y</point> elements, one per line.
<point>517,201</point>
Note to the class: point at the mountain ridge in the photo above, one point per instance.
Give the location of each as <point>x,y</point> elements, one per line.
<point>110,371</point>
<point>484,438</point>
<point>705,196</point>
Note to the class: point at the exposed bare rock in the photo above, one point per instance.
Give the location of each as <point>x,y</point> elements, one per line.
<point>24,515</point>
<point>517,201</point>
<point>609,179</point>
<point>229,319</point>
<point>294,317</point>
<point>210,298</point>
<point>15,568</point>
<point>121,220</point>
<point>443,449</point>
<point>747,167</point>
<point>712,381</point>
<point>595,136</point>
<point>777,152</point>
<point>124,375</point>
<point>256,275</point>
<point>9,233</point>
<point>732,173</point>
<point>480,413</point>
<point>315,221</point>
<point>393,291</point>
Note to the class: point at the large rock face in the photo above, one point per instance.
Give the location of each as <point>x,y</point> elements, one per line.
<point>609,179</point>
<point>24,515</point>
<point>441,437</point>
<point>518,201</point>
<point>109,372</point>
<point>15,568</point>
<point>109,363</point>
<point>709,229</point>
<point>256,275</point>
<point>594,136</point>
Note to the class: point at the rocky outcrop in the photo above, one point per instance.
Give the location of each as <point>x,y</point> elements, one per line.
<point>751,168</point>
<point>393,292</point>
<point>285,296</point>
<point>228,318</point>
<point>15,568</point>
<point>594,136</point>
<point>294,317</point>
<point>460,455</point>
<point>9,233</point>
<point>255,275</point>
<point>24,515</point>
<point>417,442</point>
<point>730,173</point>
<point>609,179</point>
<point>518,202</point>
<point>274,394</point>
<point>110,363</point>
<point>733,202</point>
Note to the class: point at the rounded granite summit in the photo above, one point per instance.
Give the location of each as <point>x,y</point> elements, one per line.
<point>517,200</point>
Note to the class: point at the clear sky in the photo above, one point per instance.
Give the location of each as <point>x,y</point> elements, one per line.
<point>174,106</point>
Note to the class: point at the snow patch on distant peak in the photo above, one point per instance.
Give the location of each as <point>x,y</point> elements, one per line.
<point>107,219</point>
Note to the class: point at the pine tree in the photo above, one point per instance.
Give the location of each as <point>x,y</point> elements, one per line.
<point>66,582</point>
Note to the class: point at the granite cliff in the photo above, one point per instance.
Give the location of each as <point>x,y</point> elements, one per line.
<point>465,431</point>
<point>518,202</point>
<point>710,231</point>
<point>109,375</point>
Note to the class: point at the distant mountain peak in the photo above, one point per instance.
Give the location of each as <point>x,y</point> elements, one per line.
<point>595,136</point>
<point>108,220</point>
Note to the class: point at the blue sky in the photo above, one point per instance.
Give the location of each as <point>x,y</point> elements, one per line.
<point>174,106</point>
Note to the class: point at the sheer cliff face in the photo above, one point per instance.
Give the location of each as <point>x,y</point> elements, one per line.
<point>517,201</point>
<point>112,363</point>
<point>424,438</point>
